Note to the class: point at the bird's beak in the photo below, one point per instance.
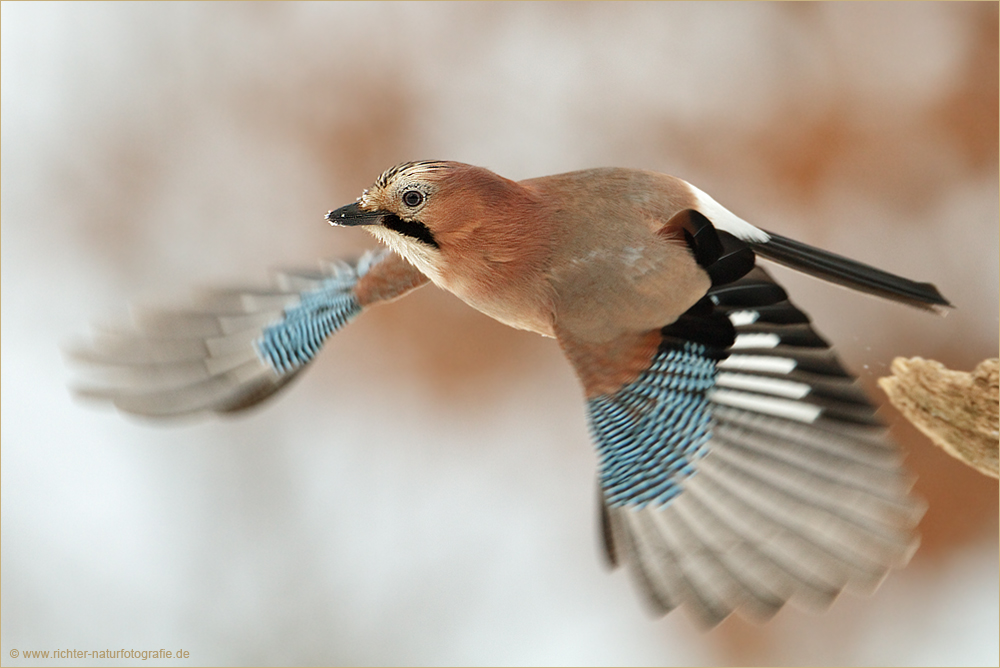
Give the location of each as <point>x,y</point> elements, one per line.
<point>353,214</point>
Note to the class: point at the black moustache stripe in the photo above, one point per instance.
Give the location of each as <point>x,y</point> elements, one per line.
<point>411,228</point>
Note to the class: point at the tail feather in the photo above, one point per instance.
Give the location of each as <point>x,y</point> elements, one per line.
<point>849,273</point>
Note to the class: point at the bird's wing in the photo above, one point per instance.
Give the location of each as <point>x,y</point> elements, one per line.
<point>234,348</point>
<point>741,466</point>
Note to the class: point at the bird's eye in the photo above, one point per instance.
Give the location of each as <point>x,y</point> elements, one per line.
<point>413,198</point>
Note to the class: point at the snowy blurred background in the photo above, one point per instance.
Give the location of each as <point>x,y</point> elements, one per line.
<point>426,493</point>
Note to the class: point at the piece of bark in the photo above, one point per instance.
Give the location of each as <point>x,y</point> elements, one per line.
<point>958,411</point>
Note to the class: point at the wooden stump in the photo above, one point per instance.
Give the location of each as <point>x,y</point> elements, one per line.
<point>958,411</point>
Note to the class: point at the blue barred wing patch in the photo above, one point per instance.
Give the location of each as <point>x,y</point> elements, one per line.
<point>650,432</point>
<point>294,340</point>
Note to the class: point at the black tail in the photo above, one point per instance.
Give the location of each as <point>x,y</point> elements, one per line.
<point>849,273</point>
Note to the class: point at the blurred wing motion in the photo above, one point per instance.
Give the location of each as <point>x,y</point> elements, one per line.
<point>235,348</point>
<point>743,476</point>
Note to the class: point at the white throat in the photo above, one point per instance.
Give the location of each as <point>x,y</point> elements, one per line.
<point>425,258</point>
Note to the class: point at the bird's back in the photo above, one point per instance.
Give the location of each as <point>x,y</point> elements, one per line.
<point>616,265</point>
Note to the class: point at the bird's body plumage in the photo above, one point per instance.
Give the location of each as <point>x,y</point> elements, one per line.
<point>612,279</point>
<point>741,466</point>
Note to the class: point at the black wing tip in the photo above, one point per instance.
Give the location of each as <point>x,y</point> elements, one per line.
<point>610,548</point>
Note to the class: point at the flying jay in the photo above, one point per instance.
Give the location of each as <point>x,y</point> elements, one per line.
<point>741,466</point>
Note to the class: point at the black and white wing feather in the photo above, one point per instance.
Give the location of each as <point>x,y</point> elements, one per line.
<point>745,467</point>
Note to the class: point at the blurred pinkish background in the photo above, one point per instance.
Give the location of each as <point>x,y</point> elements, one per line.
<point>426,494</point>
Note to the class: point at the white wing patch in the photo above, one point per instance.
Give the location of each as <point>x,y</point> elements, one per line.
<point>743,318</point>
<point>776,386</point>
<point>761,363</point>
<point>784,408</point>
<point>756,340</point>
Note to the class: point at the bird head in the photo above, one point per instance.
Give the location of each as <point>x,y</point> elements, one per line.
<point>444,217</point>
<point>393,207</point>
